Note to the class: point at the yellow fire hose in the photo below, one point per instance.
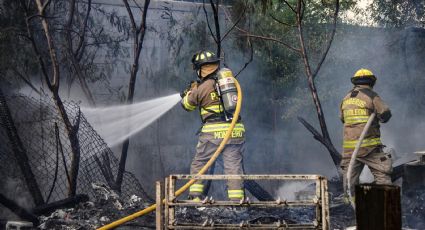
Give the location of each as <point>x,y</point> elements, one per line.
<point>192,181</point>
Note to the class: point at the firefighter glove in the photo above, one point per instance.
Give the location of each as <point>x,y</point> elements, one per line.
<point>191,85</point>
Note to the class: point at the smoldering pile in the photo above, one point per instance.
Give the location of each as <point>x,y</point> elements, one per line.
<point>105,207</point>
<point>244,215</point>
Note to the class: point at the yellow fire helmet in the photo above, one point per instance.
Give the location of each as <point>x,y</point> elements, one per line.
<point>363,77</point>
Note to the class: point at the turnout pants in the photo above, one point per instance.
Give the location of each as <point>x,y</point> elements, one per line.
<point>379,163</point>
<point>232,160</point>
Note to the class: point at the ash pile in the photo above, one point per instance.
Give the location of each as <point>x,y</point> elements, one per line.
<point>105,207</point>
<point>245,215</point>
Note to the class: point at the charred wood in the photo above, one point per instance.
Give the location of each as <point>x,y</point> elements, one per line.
<point>336,157</point>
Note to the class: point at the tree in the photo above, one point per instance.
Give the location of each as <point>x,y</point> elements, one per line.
<point>138,34</point>
<point>398,14</point>
<point>48,44</point>
<point>75,54</point>
<point>294,18</point>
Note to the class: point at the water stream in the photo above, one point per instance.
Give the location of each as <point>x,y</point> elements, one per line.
<point>117,123</point>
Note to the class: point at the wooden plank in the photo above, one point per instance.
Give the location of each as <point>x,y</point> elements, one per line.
<point>158,213</point>
<point>378,207</point>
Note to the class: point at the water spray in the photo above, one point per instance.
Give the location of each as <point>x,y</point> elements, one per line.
<point>117,123</point>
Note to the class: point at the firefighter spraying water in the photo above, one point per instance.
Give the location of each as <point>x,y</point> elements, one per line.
<point>216,96</point>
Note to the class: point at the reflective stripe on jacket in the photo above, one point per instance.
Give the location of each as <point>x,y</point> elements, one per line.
<point>365,143</point>
<point>186,104</point>
<point>219,130</point>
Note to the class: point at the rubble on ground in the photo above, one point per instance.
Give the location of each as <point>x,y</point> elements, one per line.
<point>105,206</point>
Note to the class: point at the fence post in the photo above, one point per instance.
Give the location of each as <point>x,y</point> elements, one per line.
<point>158,213</point>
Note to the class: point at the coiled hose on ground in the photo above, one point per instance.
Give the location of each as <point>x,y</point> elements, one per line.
<point>192,181</point>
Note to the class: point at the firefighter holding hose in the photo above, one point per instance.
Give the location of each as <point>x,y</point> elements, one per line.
<point>355,109</point>
<point>215,95</point>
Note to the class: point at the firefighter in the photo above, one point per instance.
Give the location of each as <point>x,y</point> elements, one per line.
<point>203,94</point>
<point>355,110</point>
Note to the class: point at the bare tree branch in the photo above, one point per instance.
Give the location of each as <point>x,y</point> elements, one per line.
<point>43,8</point>
<point>281,22</point>
<point>55,66</point>
<point>335,19</point>
<point>28,82</point>
<point>236,23</point>
<point>130,15</point>
<point>336,157</point>
<point>30,37</point>
<point>217,25</point>
<point>71,54</point>
<point>290,6</point>
<point>208,22</point>
<point>272,39</point>
<point>138,38</point>
<point>83,30</point>
<point>248,34</point>
<point>250,58</point>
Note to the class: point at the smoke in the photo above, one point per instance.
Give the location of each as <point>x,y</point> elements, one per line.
<point>382,52</point>
<point>275,142</point>
<point>291,190</point>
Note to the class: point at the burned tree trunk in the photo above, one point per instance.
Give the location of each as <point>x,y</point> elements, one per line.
<point>324,138</point>
<point>53,85</point>
<point>19,151</point>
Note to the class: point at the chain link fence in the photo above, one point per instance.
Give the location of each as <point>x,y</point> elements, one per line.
<point>44,138</point>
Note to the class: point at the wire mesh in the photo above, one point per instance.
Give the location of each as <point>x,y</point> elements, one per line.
<point>44,137</point>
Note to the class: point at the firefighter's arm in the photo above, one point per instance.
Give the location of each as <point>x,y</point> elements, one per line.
<point>382,110</point>
<point>189,97</point>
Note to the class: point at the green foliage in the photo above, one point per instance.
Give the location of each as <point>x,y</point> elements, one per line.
<point>100,51</point>
<point>281,66</point>
<point>398,13</point>
<point>12,40</point>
